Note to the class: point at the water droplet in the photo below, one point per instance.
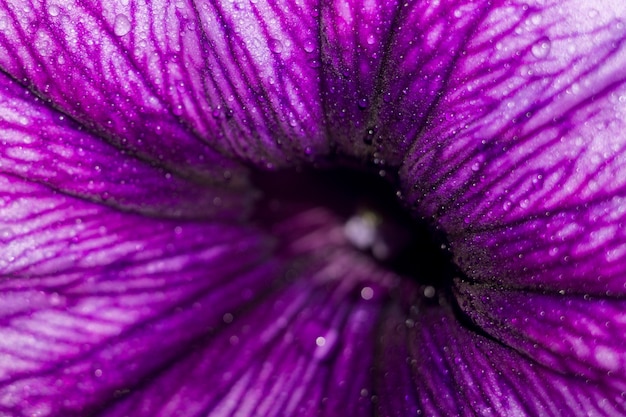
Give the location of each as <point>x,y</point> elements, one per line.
<point>429,291</point>
<point>363,103</point>
<point>314,63</point>
<point>276,46</point>
<point>309,46</point>
<point>542,48</point>
<point>538,182</point>
<point>536,19</point>
<point>371,39</point>
<point>227,318</point>
<point>368,139</point>
<point>122,25</point>
<point>5,235</point>
<point>325,344</point>
<point>367,293</point>
<point>54,10</point>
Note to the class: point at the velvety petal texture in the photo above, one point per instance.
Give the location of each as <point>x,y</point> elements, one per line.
<point>575,334</point>
<point>456,372</point>
<point>523,157</point>
<point>41,145</point>
<point>143,273</point>
<point>173,80</point>
<point>117,314</point>
<point>94,300</point>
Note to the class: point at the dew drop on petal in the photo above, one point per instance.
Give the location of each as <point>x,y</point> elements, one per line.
<point>122,25</point>
<point>541,49</point>
<point>309,46</point>
<point>367,293</point>
<point>536,19</point>
<point>54,10</point>
<point>5,235</point>
<point>429,291</point>
<point>325,344</point>
<point>276,46</point>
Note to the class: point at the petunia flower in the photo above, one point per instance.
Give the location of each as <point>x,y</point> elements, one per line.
<point>290,208</point>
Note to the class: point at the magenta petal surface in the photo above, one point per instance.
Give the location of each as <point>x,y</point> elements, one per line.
<point>41,145</point>
<point>135,281</point>
<point>94,300</point>
<point>175,81</point>
<point>456,371</point>
<point>299,352</point>
<point>570,333</point>
<point>524,156</point>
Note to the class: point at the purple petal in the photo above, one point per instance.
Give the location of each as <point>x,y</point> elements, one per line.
<point>356,39</point>
<point>386,65</point>
<point>43,146</point>
<point>123,314</point>
<point>300,350</point>
<point>94,300</point>
<point>576,334</point>
<point>174,80</point>
<point>455,371</point>
<point>524,156</point>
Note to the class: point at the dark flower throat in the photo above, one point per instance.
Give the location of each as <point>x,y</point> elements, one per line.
<point>375,220</point>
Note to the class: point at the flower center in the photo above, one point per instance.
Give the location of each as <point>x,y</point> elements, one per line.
<point>369,214</point>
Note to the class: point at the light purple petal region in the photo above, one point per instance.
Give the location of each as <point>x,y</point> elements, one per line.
<point>300,351</point>
<point>94,300</point>
<point>456,371</point>
<point>175,80</point>
<point>116,313</point>
<point>523,157</point>
<point>386,66</point>
<point>261,79</point>
<point>117,120</point>
<point>576,334</point>
<point>304,349</point>
<point>44,146</point>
